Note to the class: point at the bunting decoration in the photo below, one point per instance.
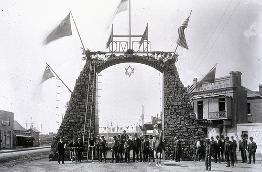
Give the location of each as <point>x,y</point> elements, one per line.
<point>62,30</point>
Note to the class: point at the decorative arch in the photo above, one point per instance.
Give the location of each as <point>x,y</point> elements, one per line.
<point>179,120</point>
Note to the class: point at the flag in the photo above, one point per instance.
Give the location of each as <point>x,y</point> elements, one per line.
<point>210,77</point>
<point>122,6</point>
<point>181,41</point>
<point>110,38</point>
<point>47,74</point>
<point>144,36</point>
<point>63,29</point>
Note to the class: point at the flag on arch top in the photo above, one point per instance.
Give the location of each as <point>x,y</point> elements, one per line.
<point>62,30</point>
<point>144,36</point>
<point>181,41</point>
<point>122,6</point>
<point>47,74</point>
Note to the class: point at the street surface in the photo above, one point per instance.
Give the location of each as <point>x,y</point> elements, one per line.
<point>44,165</point>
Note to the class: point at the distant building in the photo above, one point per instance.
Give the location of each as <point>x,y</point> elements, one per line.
<point>6,129</point>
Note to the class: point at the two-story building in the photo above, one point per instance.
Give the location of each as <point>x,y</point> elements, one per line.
<point>6,129</point>
<point>227,108</point>
<point>222,103</point>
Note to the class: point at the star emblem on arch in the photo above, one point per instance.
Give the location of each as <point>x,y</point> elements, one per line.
<point>129,71</point>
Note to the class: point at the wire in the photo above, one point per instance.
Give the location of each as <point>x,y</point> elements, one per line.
<point>210,37</point>
<point>220,33</point>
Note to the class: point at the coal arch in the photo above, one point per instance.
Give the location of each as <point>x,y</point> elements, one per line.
<point>179,120</point>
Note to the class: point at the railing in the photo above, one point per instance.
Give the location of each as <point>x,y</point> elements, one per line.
<point>217,115</point>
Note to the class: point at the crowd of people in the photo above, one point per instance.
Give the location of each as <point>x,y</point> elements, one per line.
<point>225,150</point>
<point>149,148</point>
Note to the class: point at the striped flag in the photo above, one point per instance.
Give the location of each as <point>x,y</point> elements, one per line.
<point>47,74</point>
<point>181,41</point>
<point>63,29</point>
<point>144,36</point>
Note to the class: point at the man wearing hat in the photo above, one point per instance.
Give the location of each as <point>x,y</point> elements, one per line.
<point>103,148</point>
<point>115,149</point>
<point>252,147</point>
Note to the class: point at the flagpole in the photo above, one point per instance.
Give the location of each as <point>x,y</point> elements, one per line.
<point>78,32</point>
<point>59,78</point>
<point>129,24</point>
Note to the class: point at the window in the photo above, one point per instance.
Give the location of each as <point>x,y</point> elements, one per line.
<point>200,109</point>
<point>222,105</point>
<point>245,134</point>
<point>248,109</point>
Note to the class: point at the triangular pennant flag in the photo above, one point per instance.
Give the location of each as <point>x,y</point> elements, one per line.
<point>47,74</point>
<point>181,41</point>
<point>210,77</point>
<point>144,36</point>
<point>63,29</point>
<point>110,38</point>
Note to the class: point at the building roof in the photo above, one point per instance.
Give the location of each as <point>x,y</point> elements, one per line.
<point>252,94</point>
<point>19,127</point>
<point>34,130</point>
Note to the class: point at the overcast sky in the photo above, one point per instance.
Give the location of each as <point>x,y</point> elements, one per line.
<point>227,32</point>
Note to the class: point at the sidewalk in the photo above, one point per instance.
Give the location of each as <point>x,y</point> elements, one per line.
<point>22,149</point>
<point>23,155</point>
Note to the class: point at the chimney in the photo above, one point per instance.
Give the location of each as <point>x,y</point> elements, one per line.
<point>235,78</point>
<point>260,89</point>
<point>194,81</point>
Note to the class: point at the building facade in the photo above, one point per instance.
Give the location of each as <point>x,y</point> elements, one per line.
<point>222,103</point>
<point>6,129</point>
<point>228,108</point>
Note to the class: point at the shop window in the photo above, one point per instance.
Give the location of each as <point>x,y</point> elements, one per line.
<point>245,134</point>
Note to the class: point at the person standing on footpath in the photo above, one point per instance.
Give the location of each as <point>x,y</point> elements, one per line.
<point>252,147</point>
<point>243,148</point>
<point>208,155</point>
<point>233,150</point>
<point>115,150</point>
<point>136,148</point>
<point>214,149</point>
<point>198,150</point>
<point>103,149</point>
<point>227,151</point>
<point>61,150</point>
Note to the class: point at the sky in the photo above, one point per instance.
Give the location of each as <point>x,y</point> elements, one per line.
<point>227,32</point>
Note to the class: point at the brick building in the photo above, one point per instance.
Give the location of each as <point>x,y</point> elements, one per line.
<point>222,103</point>
<point>228,108</point>
<point>6,129</point>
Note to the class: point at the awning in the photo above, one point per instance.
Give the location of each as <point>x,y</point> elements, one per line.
<point>23,136</point>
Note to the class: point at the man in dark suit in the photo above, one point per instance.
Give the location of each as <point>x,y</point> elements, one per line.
<point>61,150</point>
<point>243,148</point>
<point>252,147</point>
